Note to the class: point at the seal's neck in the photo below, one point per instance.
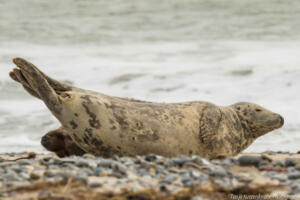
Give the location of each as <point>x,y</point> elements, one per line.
<point>240,133</point>
<point>247,132</point>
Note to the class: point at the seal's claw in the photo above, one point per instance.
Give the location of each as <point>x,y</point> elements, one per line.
<point>20,77</point>
<point>13,76</point>
<point>17,75</point>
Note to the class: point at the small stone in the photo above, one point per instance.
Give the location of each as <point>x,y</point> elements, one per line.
<point>295,187</point>
<point>12,176</point>
<point>271,174</point>
<point>163,188</point>
<point>120,167</point>
<point>180,161</point>
<point>169,178</point>
<point>197,198</point>
<point>295,175</point>
<point>95,184</point>
<point>244,179</point>
<point>127,161</point>
<point>289,162</point>
<point>117,175</point>
<point>88,156</point>
<point>218,172</point>
<point>297,166</point>
<point>280,163</point>
<point>98,171</point>
<point>264,163</point>
<point>291,169</point>
<point>249,160</point>
<point>173,169</point>
<point>150,158</point>
<point>31,155</point>
<point>24,175</point>
<point>271,152</point>
<point>195,174</point>
<point>35,176</point>
<point>56,161</point>
<point>49,174</point>
<point>160,170</point>
<point>186,178</point>
<point>44,195</point>
<point>188,183</point>
<point>82,164</point>
<point>24,162</point>
<point>229,162</point>
<point>107,163</point>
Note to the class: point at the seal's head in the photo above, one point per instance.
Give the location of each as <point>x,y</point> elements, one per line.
<point>257,120</point>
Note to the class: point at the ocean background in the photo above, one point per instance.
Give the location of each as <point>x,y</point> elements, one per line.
<point>222,51</point>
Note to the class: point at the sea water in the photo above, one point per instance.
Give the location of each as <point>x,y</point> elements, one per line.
<point>165,51</point>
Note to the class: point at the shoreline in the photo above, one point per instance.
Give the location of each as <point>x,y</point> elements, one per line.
<point>45,176</point>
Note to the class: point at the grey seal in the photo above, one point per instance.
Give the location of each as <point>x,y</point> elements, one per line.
<point>104,125</point>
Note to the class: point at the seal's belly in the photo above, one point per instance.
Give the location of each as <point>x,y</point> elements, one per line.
<point>127,128</point>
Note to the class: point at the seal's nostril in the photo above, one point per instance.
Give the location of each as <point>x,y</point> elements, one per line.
<point>45,141</point>
<point>281,120</point>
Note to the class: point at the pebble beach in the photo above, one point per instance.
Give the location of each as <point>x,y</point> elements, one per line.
<point>269,175</point>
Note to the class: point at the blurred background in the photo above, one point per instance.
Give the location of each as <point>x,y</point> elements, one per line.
<point>222,51</point>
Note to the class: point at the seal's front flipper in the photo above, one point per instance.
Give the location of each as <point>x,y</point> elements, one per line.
<point>60,142</point>
<point>39,85</point>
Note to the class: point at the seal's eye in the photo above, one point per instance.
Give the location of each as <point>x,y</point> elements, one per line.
<point>65,95</point>
<point>258,110</point>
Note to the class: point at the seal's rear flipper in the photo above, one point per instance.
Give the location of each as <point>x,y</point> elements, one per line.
<point>17,75</point>
<point>56,85</point>
<point>37,84</point>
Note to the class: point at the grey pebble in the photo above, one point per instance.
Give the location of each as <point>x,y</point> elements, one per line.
<point>291,169</point>
<point>88,156</point>
<point>24,162</point>
<point>195,173</point>
<point>150,157</point>
<point>44,195</point>
<point>95,184</point>
<point>295,185</point>
<point>197,198</point>
<point>11,175</point>
<point>106,163</point>
<point>169,178</point>
<point>271,152</point>
<point>117,175</point>
<point>97,171</point>
<point>218,171</point>
<point>289,162</point>
<point>24,175</point>
<point>264,163</point>
<point>294,175</point>
<point>185,178</point>
<point>49,174</point>
<point>249,160</point>
<point>280,163</point>
<point>119,167</point>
